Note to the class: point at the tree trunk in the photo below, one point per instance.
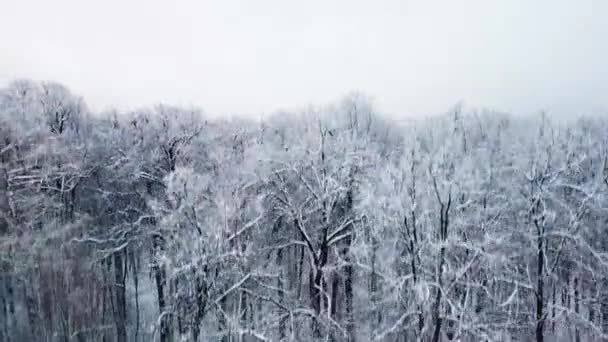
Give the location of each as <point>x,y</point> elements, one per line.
<point>443,235</point>
<point>592,301</point>
<point>437,304</point>
<point>4,333</point>
<point>553,301</point>
<point>348,292</point>
<point>223,324</point>
<point>604,306</point>
<point>335,291</point>
<point>120,316</point>
<point>314,285</point>
<point>281,294</point>
<point>160,278</point>
<point>136,285</point>
<point>577,336</point>
<point>374,288</point>
<point>201,305</point>
<point>540,298</point>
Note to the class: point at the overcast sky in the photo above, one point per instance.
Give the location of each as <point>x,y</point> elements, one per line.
<point>249,56</point>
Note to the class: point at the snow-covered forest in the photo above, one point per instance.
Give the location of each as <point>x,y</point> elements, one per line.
<point>332,223</point>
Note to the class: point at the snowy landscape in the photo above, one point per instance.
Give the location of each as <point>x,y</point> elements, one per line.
<point>303,171</point>
<point>328,224</point>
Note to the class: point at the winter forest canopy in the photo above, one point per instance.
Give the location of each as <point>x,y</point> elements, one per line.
<point>330,224</point>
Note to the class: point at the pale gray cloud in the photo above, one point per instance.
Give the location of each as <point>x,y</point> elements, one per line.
<point>228,56</point>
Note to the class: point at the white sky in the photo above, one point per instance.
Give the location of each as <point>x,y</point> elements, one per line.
<point>239,56</point>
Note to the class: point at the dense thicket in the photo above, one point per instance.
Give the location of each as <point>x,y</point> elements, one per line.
<point>333,224</point>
